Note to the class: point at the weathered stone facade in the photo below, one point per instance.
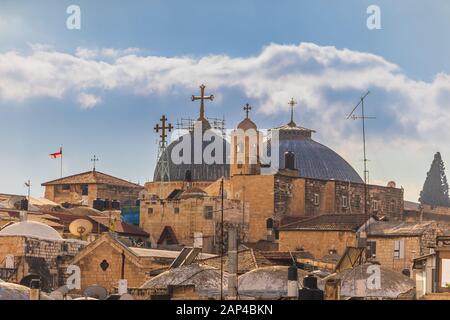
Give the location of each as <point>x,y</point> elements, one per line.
<point>33,256</point>
<point>318,243</point>
<point>84,188</point>
<point>106,261</point>
<point>187,216</point>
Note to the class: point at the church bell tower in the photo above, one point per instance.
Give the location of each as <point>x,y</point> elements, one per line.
<point>245,147</point>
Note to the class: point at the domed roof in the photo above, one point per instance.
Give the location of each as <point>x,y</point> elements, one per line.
<point>267,282</point>
<point>12,291</point>
<point>193,192</point>
<point>246,124</point>
<point>206,279</point>
<point>31,229</point>
<point>199,171</point>
<point>312,159</point>
<point>393,284</point>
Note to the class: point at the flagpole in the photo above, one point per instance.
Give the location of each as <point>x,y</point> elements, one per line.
<point>60,150</point>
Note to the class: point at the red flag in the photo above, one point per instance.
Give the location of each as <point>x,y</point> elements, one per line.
<point>56,154</point>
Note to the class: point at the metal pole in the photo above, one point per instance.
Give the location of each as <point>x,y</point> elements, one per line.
<point>232,263</point>
<point>365,158</point>
<point>221,242</point>
<point>61,150</point>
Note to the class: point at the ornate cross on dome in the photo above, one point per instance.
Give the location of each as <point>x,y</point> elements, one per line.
<point>247,108</point>
<point>163,129</point>
<point>292,103</point>
<point>202,99</point>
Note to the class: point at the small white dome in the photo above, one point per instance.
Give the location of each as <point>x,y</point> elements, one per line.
<point>31,229</point>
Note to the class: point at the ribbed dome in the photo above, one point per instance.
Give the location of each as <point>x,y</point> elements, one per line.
<point>312,159</point>
<point>199,172</point>
<point>31,229</point>
<point>246,124</point>
<point>193,192</point>
<point>206,279</point>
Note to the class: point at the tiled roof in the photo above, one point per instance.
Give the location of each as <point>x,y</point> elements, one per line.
<point>330,222</point>
<point>92,177</point>
<point>388,228</point>
<point>121,227</point>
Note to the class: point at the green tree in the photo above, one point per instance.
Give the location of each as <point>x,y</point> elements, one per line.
<point>435,188</point>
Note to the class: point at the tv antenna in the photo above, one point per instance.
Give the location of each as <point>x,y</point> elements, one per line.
<point>362,117</point>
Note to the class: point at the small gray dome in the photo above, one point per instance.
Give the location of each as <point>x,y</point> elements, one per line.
<point>32,229</point>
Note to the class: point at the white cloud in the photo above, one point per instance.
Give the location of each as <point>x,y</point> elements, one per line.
<point>321,78</point>
<point>88,101</point>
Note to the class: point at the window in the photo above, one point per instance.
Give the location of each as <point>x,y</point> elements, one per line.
<point>371,251</point>
<point>399,249</point>
<point>393,205</point>
<point>150,210</point>
<point>208,212</point>
<point>176,210</point>
<point>344,202</point>
<point>316,199</point>
<point>357,201</point>
<point>65,187</point>
<point>84,190</point>
<point>375,205</point>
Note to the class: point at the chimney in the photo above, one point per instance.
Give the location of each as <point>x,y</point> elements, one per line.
<point>232,263</point>
<point>24,209</point>
<point>35,291</point>
<point>292,282</point>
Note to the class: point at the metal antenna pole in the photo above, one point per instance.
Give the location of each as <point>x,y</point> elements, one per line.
<point>363,118</point>
<point>221,241</point>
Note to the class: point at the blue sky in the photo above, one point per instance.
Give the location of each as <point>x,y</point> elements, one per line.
<point>118,127</point>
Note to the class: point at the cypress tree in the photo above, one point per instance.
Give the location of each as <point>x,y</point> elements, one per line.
<point>435,188</point>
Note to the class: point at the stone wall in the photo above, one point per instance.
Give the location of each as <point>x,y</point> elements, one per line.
<point>187,216</point>
<point>318,243</point>
<point>37,256</point>
<point>126,196</point>
<point>134,269</point>
<point>385,251</point>
<point>258,192</point>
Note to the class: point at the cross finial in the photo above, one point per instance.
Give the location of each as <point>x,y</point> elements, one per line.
<point>247,108</point>
<point>292,103</point>
<point>202,99</point>
<point>164,126</point>
<point>94,160</point>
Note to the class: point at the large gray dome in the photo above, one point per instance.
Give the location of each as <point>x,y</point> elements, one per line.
<point>201,171</point>
<point>312,159</point>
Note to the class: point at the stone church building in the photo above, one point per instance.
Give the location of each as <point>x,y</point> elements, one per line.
<point>311,180</point>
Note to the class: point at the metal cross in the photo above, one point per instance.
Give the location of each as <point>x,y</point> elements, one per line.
<point>292,103</point>
<point>164,126</point>
<point>247,108</point>
<point>202,99</point>
<point>94,160</point>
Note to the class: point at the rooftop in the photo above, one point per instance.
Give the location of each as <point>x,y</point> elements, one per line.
<point>120,227</point>
<point>328,222</point>
<point>396,228</point>
<point>92,177</point>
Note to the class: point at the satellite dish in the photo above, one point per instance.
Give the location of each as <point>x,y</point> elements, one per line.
<point>96,292</point>
<point>80,227</point>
